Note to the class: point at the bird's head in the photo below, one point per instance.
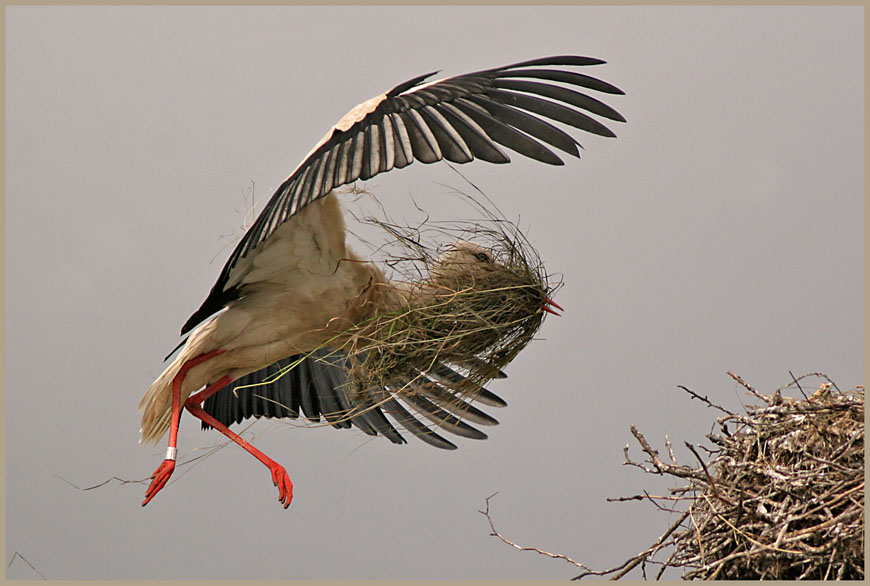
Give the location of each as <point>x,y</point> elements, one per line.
<point>462,260</point>
<point>466,264</point>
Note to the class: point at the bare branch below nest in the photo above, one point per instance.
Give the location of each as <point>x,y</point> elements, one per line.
<point>619,571</point>
<point>495,533</point>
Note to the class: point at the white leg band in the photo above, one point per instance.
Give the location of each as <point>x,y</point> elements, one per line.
<point>171,453</point>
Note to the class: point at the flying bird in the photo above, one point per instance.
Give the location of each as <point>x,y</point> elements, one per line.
<point>291,289</point>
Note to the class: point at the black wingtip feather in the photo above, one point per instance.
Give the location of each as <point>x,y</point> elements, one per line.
<point>411,83</point>
<point>574,60</point>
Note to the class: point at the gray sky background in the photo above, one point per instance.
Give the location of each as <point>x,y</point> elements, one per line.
<point>722,230</point>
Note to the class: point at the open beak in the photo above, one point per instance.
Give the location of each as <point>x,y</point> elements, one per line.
<point>546,306</point>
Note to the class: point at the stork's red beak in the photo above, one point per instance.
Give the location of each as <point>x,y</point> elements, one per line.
<point>547,302</point>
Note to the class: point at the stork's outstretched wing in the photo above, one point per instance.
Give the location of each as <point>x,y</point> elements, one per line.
<point>316,386</point>
<point>458,119</point>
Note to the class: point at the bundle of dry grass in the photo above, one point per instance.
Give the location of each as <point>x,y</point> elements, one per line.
<point>477,323</point>
<point>782,496</point>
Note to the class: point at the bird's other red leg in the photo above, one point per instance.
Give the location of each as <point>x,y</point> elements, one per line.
<point>280,478</point>
<point>167,467</point>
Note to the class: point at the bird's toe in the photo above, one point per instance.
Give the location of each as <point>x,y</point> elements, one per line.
<point>159,479</point>
<point>281,479</point>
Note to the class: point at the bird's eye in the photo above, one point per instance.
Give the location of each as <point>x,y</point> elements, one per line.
<point>482,257</point>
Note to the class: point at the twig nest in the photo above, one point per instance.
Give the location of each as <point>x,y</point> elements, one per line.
<point>787,497</point>
<point>782,496</point>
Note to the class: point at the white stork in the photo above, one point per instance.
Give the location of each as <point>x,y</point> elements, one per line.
<point>291,284</point>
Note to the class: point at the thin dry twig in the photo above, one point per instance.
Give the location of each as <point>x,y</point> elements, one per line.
<point>645,555</point>
<point>495,533</point>
<point>704,400</point>
<point>17,555</point>
<point>660,467</point>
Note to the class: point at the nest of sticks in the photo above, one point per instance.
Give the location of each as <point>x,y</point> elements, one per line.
<point>475,325</point>
<point>781,497</point>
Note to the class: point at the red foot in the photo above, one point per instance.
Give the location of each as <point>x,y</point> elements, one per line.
<point>159,479</point>
<point>282,481</point>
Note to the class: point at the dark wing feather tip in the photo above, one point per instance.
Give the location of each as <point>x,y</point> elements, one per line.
<point>411,83</point>
<point>573,60</point>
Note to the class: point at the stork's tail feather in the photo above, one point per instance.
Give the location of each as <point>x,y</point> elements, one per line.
<point>156,404</point>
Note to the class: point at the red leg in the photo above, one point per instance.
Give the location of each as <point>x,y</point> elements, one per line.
<point>279,474</point>
<point>200,397</point>
<point>167,467</point>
